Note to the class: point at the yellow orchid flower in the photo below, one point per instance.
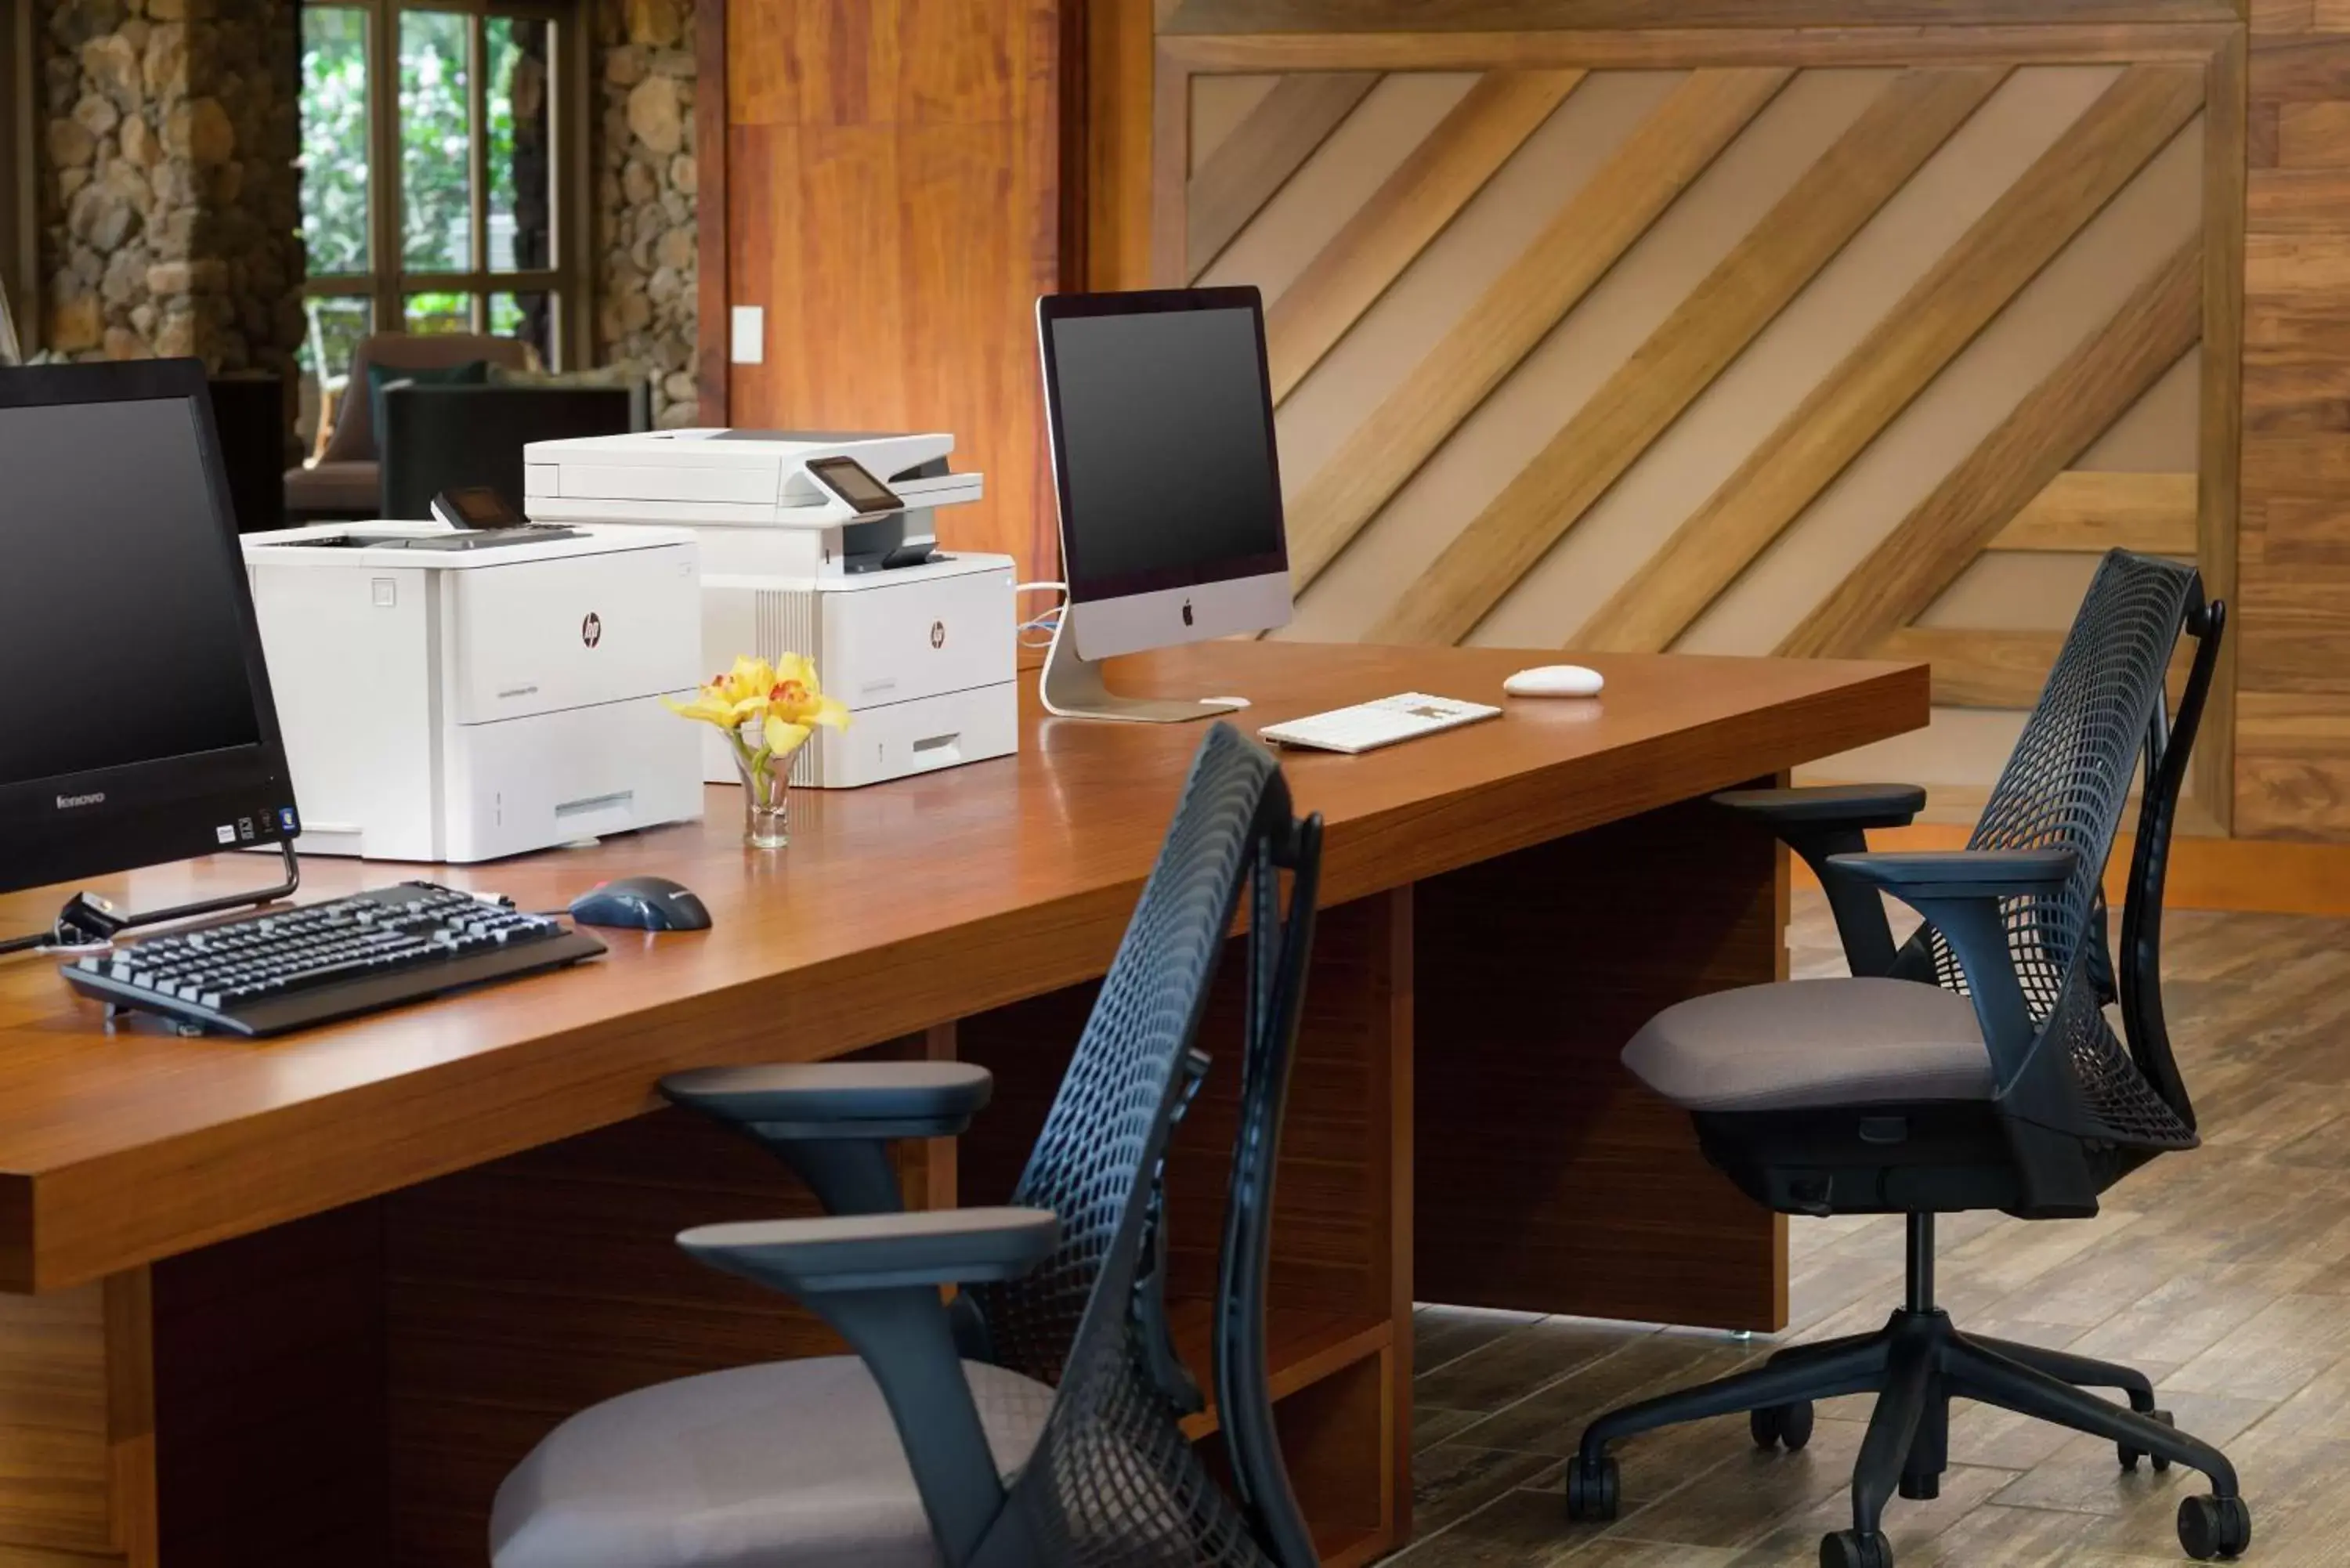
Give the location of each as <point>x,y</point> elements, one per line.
<point>783,737</point>
<point>709,705</point>
<point>798,696</point>
<point>781,699</point>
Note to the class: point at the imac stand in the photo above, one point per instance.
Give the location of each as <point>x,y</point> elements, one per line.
<point>1072,687</point>
<point>87,922</point>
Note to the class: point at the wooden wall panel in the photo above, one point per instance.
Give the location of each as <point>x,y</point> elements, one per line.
<point>1425,503</point>
<point>893,187</point>
<point>2291,762</point>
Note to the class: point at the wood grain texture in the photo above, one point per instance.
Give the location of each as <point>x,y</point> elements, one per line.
<point>894,204</point>
<point>1970,283</point>
<point>1117,97</point>
<point>2056,421</point>
<point>2153,513</point>
<point>56,1481</point>
<point>1263,151</point>
<point>1654,164</point>
<point>2293,623</point>
<point>1977,669</point>
<point>2220,412</point>
<point>116,1149</point>
<point>2292,765</point>
<point>1557,1220</point>
<point>2293,561</point>
<point>713,352</point>
<point>1409,209</point>
<point>1484,16</point>
<point>1893,137</point>
<point>1686,48</point>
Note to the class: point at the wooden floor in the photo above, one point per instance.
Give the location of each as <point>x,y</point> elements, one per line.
<point>2224,1273</point>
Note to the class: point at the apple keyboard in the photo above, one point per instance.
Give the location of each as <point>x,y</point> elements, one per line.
<point>1368,726</point>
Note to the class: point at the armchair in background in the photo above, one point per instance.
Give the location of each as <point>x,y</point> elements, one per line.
<point>436,438</point>
<point>345,480</point>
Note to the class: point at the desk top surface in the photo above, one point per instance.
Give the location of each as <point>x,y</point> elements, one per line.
<point>894,907</point>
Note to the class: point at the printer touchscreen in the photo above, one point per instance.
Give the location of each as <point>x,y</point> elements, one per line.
<point>849,479</point>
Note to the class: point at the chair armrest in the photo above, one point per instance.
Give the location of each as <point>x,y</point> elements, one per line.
<point>838,1099</point>
<point>1959,892</point>
<point>876,1278</point>
<point>1960,873</point>
<point>1860,806</point>
<point>880,1251</point>
<point>1822,821</point>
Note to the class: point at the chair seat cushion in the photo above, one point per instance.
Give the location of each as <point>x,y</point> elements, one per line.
<point>794,1462</point>
<point>1815,1042</point>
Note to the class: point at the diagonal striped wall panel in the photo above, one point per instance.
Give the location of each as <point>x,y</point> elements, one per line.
<point>1798,358</point>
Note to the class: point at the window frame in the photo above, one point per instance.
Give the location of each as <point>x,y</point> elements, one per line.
<point>388,284</point>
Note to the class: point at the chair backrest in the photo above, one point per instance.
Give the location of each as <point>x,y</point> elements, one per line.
<point>1113,1479</point>
<point>445,438</point>
<point>354,437</point>
<point>2102,713</point>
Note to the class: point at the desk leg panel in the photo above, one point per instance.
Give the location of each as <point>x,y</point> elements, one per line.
<point>1548,1179</point>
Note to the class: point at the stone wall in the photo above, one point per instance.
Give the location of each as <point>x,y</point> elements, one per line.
<point>169,198</point>
<point>645,237</point>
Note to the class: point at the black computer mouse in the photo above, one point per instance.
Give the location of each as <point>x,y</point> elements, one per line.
<point>641,904</point>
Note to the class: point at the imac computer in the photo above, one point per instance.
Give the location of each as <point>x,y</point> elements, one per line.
<point>136,724</point>
<point>1160,413</point>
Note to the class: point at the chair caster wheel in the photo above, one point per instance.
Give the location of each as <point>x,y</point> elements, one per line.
<point>1775,1426</point>
<point>2212,1527</point>
<point>2130,1456</point>
<point>1850,1549</point>
<point>1591,1494</point>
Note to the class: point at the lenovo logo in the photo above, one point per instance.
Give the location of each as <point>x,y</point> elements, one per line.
<point>69,802</point>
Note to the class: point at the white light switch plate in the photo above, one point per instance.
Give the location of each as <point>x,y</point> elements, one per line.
<point>750,324</point>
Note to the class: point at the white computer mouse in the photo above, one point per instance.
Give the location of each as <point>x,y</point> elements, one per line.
<point>1555,680</point>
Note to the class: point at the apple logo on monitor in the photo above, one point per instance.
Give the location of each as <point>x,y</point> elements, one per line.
<point>1187,612</point>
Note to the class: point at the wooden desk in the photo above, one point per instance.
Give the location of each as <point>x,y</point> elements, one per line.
<point>305,1301</point>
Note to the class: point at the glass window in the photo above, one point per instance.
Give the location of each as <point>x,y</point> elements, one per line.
<point>334,158</point>
<point>440,312</point>
<point>337,322</point>
<point>436,141</point>
<point>529,316</point>
<point>432,156</point>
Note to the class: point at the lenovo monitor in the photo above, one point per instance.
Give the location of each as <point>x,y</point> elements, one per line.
<point>136,723</point>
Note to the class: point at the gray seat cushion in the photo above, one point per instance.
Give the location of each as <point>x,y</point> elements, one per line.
<point>795,1462</point>
<point>1814,1042</point>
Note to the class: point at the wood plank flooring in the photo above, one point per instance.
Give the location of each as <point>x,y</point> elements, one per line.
<point>2224,1273</point>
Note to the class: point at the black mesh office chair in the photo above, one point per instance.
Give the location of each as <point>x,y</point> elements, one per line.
<point>1974,1068</point>
<point>1035,1422</point>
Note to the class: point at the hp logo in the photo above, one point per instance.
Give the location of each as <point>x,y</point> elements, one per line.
<point>591,630</point>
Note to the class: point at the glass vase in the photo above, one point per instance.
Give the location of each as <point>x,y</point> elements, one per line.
<point>766,800</point>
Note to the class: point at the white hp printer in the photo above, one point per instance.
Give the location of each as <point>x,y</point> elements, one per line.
<point>824,545</point>
<point>458,695</point>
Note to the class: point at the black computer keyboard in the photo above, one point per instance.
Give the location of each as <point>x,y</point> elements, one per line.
<point>267,973</point>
